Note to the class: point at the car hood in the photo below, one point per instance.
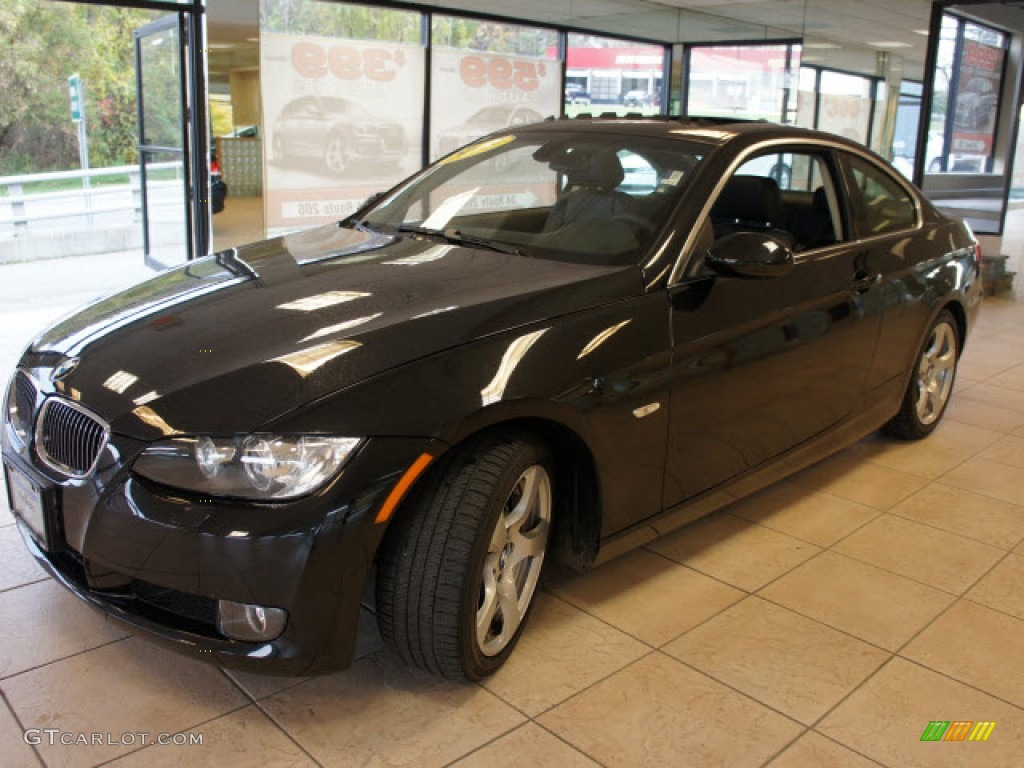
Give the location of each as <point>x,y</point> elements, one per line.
<point>232,341</point>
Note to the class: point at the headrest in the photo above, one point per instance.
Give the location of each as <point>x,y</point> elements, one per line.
<point>602,170</point>
<point>820,200</point>
<point>749,198</point>
<point>583,166</point>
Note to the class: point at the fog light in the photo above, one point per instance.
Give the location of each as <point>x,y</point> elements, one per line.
<point>249,622</point>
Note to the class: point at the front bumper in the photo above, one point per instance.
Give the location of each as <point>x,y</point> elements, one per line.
<point>160,559</point>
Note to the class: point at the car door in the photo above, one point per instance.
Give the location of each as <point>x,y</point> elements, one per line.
<point>884,214</point>
<point>761,365</point>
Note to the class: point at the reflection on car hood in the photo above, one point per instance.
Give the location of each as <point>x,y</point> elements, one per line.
<point>227,344</point>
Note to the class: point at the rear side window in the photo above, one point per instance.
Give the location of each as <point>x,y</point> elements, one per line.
<point>880,204</point>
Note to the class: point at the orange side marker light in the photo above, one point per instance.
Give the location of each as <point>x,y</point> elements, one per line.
<point>402,486</point>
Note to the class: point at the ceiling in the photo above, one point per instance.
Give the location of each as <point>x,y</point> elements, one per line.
<point>847,34</point>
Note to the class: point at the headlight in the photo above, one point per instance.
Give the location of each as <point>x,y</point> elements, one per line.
<point>267,467</point>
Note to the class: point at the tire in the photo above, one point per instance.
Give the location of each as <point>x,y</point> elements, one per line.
<point>337,153</point>
<point>935,166</point>
<point>931,382</point>
<point>459,569</point>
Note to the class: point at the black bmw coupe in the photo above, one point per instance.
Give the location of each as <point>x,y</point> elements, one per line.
<point>512,357</point>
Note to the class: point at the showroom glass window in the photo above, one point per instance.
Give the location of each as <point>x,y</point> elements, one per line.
<point>878,111</point>
<point>844,105</point>
<point>807,96</point>
<point>880,205</point>
<point>486,76</point>
<point>904,135</point>
<point>615,76</point>
<point>743,81</point>
<point>342,91</point>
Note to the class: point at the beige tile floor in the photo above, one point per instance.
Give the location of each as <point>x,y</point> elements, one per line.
<point>822,622</point>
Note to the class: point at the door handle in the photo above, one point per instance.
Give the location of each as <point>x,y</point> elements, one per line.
<point>863,282</point>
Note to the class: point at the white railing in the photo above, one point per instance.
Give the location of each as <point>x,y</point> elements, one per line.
<point>111,202</point>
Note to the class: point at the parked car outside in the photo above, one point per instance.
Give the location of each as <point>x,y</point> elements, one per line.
<point>505,360</point>
<point>638,98</point>
<point>576,93</point>
<point>336,131</point>
<point>218,187</point>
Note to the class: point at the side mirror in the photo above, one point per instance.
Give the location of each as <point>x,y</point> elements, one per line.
<point>750,254</point>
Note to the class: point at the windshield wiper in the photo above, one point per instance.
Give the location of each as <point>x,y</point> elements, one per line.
<point>457,237</point>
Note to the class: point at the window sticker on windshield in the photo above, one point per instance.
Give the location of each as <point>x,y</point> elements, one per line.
<point>478,149</point>
<point>673,178</point>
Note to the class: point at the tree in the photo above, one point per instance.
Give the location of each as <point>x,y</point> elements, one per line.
<point>41,45</point>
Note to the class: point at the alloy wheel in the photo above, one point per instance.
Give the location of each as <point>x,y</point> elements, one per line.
<point>935,373</point>
<point>337,155</point>
<point>513,561</point>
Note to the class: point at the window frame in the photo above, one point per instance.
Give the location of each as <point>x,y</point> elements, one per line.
<point>832,183</point>
<point>682,270</point>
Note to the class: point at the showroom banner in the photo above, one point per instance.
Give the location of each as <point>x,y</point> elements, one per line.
<point>343,120</point>
<point>475,93</point>
<point>977,96</point>
<point>845,114</point>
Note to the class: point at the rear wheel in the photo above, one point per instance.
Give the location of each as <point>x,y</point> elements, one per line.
<point>459,572</point>
<point>931,382</point>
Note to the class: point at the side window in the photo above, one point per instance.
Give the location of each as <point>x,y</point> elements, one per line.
<point>879,203</point>
<point>787,195</point>
<point>778,166</point>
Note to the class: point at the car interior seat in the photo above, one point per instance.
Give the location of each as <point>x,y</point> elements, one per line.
<point>750,204</point>
<point>812,227</point>
<point>590,192</point>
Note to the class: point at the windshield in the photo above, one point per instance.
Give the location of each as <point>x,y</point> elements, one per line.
<point>594,198</point>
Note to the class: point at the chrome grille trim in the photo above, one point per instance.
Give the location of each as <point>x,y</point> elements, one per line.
<point>70,438</point>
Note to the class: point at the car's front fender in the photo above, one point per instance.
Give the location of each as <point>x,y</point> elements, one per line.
<point>601,373</point>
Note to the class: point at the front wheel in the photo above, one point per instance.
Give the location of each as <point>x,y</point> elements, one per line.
<point>459,569</point>
<point>337,153</point>
<point>931,382</point>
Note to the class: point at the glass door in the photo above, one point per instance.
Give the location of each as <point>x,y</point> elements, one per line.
<point>163,147</point>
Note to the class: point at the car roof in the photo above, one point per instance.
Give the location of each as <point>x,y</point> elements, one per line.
<point>705,130</point>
